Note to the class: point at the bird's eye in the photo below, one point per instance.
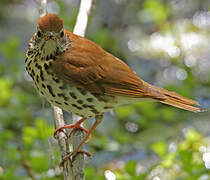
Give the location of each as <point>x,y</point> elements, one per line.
<point>39,34</point>
<point>62,34</point>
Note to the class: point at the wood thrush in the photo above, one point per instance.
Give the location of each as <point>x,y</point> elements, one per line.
<point>77,75</point>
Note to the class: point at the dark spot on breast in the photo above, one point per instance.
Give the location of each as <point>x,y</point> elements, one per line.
<point>41,75</point>
<point>89,99</point>
<point>63,96</point>
<point>38,66</point>
<point>101,98</point>
<point>94,111</point>
<point>82,91</point>
<point>90,106</point>
<point>47,57</point>
<point>80,101</point>
<point>52,57</point>
<point>57,102</point>
<point>55,79</point>
<point>108,107</point>
<point>37,78</point>
<point>85,105</point>
<point>26,60</point>
<point>46,66</point>
<point>50,90</point>
<point>66,103</point>
<point>43,86</point>
<point>78,107</point>
<point>72,95</point>
<point>63,86</point>
<point>29,63</point>
<point>32,72</point>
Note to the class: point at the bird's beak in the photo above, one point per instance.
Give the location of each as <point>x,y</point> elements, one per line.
<point>51,34</point>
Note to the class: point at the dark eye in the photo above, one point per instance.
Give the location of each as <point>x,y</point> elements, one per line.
<point>39,34</point>
<point>62,34</point>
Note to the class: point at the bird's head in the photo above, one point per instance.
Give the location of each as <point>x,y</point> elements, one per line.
<point>50,38</point>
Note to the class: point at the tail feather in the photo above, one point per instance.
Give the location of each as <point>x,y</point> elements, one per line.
<point>174,99</point>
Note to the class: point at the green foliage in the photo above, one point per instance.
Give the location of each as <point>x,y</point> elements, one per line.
<point>5,89</point>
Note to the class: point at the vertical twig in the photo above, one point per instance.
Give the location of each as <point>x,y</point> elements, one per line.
<point>77,136</point>
<point>26,165</point>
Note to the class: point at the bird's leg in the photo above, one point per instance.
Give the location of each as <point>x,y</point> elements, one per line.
<point>77,150</point>
<point>74,126</point>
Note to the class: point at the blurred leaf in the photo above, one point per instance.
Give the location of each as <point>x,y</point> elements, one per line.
<point>130,168</point>
<point>192,136</point>
<point>124,111</point>
<point>5,89</point>
<point>10,48</point>
<point>168,160</point>
<point>160,148</point>
<point>29,135</point>
<point>157,9</point>
<point>44,131</point>
<point>39,162</point>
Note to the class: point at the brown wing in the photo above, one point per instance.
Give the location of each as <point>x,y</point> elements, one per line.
<point>87,65</point>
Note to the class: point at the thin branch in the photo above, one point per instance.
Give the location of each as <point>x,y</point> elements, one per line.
<point>42,7</point>
<point>62,141</point>
<point>77,136</point>
<point>26,165</point>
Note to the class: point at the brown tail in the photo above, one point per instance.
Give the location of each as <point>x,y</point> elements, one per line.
<point>174,99</point>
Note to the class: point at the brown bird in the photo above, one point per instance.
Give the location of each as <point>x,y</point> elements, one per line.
<point>78,76</point>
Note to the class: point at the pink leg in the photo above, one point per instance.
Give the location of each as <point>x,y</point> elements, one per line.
<point>73,126</point>
<point>77,150</point>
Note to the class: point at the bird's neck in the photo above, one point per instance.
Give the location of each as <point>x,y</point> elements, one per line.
<point>46,50</point>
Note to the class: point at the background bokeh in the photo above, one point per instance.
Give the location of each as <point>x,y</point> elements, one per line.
<point>165,41</point>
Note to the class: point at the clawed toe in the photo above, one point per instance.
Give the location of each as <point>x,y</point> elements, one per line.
<point>74,126</point>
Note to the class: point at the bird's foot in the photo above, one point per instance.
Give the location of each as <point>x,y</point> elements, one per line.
<point>73,155</point>
<point>73,127</point>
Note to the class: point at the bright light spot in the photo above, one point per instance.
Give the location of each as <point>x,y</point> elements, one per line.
<point>132,127</point>
<point>156,178</point>
<point>165,43</point>
<point>172,147</point>
<point>109,175</point>
<point>133,46</point>
<point>161,42</point>
<point>50,173</point>
<point>202,149</point>
<point>206,159</point>
<point>113,146</point>
<point>190,40</point>
<point>181,74</point>
<point>204,177</point>
<point>201,19</point>
<point>173,51</point>
<point>190,61</point>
